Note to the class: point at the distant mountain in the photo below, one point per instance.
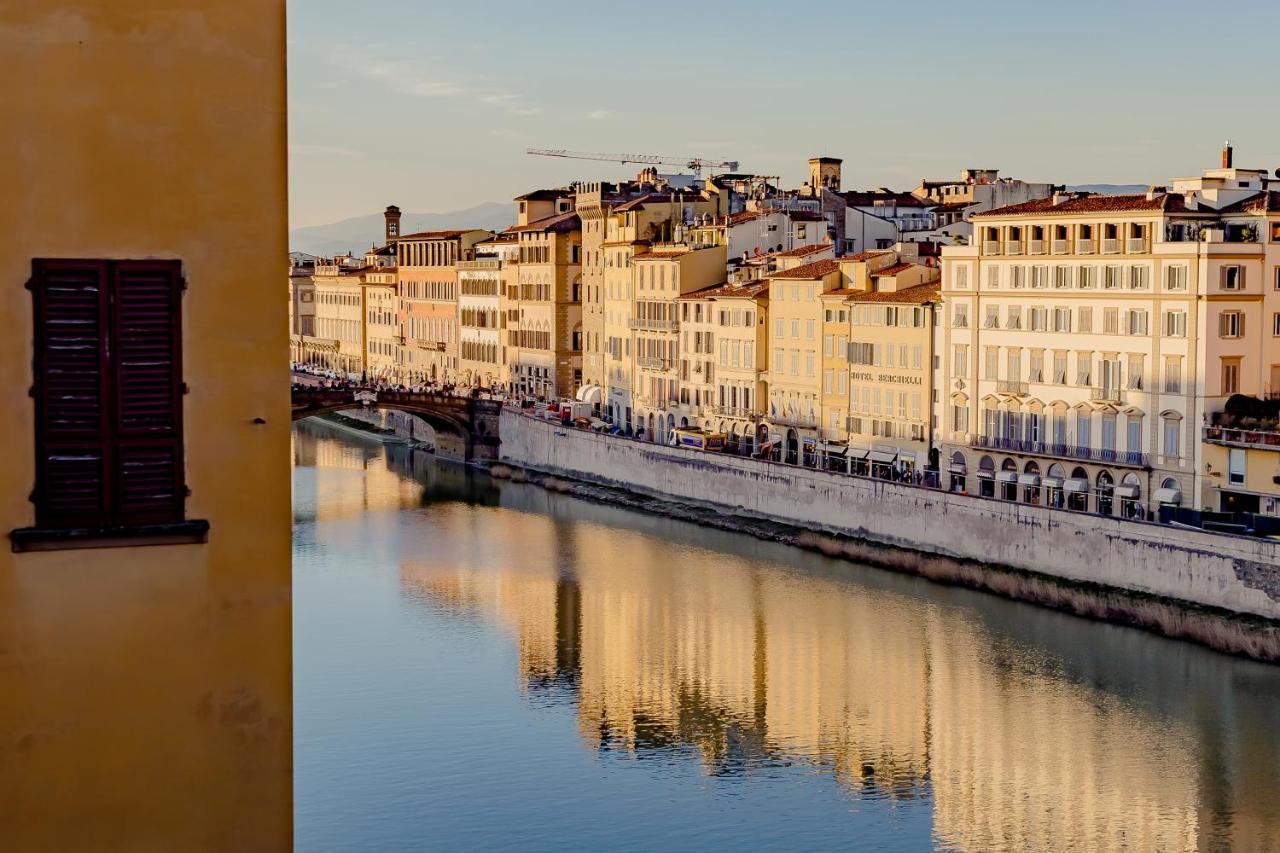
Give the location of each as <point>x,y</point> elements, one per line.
<point>360,232</point>
<point>1109,189</point>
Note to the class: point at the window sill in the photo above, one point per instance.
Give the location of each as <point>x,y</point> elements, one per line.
<point>66,539</point>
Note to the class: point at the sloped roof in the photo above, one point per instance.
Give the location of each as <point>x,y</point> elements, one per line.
<point>817,269</point>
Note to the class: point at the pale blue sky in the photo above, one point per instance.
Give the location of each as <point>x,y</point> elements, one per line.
<point>431,105</point>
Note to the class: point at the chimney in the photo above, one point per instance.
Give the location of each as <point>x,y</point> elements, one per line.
<point>1226,154</point>
<point>1153,191</point>
<point>1060,196</point>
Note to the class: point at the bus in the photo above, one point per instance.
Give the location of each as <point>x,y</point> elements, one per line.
<point>698,439</point>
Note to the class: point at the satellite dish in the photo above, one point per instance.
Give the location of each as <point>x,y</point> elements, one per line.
<point>1278,173</point>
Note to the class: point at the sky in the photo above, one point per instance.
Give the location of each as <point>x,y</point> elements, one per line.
<point>431,105</point>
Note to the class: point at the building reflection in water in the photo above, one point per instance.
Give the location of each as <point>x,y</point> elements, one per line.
<point>1025,729</point>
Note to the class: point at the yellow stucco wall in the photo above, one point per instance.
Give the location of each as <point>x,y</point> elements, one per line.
<point>145,693</point>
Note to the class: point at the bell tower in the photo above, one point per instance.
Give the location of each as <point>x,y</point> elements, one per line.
<point>392,217</point>
<point>824,173</point>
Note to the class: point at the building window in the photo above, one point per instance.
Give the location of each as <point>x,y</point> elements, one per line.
<point>1233,277</point>
<point>1175,324</point>
<point>1231,324</point>
<point>960,319</point>
<point>1230,376</point>
<point>1175,278</point>
<point>1172,440</point>
<point>1236,460</point>
<point>108,390</point>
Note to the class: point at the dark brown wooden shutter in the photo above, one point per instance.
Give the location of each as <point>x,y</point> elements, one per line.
<point>146,361</point>
<point>71,391</point>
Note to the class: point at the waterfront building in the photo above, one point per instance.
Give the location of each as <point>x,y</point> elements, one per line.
<point>740,337</point>
<point>383,344</point>
<point>481,282</point>
<point>975,191</point>
<point>877,382</point>
<point>339,342</point>
<point>697,360</point>
<point>593,202</point>
<point>664,272</point>
<point>302,308</point>
<point>795,383</point>
<point>548,328</point>
<point>1087,338</point>
<point>145,580</point>
<point>428,284</point>
<point>631,227</point>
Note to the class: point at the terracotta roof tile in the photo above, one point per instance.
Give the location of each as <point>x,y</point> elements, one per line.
<point>747,290</point>
<point>802,251</point>
<point>866,256</point>
<point>895,269</point>
<point>817,269</point>
<point>440,235</point>
<point>918,295</point>
<point>1136,203</point>
<point>567,221</point>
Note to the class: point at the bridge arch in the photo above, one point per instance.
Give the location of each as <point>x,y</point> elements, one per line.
<point>474,421</point>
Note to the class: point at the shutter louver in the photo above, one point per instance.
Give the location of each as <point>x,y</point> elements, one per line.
<point>145,344</point>
<point>70,303</point>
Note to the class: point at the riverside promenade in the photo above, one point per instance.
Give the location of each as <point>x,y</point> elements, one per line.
<point>1158,569</point>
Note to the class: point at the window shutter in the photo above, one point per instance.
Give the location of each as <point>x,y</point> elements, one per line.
<point>72,427</point>
<point>145,342</point>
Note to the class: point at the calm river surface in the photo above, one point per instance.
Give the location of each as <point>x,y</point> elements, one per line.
<point>483,665</point>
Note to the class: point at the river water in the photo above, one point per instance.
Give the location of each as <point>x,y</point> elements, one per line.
<point>484,665</point>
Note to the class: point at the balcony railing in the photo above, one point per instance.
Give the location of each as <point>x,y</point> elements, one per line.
<point>654,363</point>
<point>1106,394</point>
<point>733,412</point>
<point>1013,247</point>
<point>795,419</point>
<point>1037,247</point>
<point>1084,246</point>
<point>1263,438</point>
<point>990,247</point>
<point>1110,246</point>
<point>1136,245</point>
<point>1061,247</point>
<point>1063,451</point>
<point>643,324</point>
<point>1012,386</point>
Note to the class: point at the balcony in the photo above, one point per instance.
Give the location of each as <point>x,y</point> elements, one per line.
<point>654,363</point>
<point>734,412</point>
<point>1267,438</point>
<point>645,325</point>
<point>483,264</point>
<point>1036,248</point>
<point>1062,451</point>
<point>1012,386</point>
<point>1106,394</point>
<point>1084,246</point>
<point>990,247</point>
<point>1013,247</point>
<point>1061,247</point>
<point>1110,246</point>
<point>1136,245</point>
<point>795,419</point>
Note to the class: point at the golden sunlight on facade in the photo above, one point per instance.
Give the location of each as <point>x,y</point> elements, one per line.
<point>145,645</point>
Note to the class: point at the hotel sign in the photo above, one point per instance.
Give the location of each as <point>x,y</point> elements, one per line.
<point>887,378</point>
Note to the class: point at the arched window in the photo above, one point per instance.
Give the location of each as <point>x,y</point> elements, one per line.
<point>1105,493</point>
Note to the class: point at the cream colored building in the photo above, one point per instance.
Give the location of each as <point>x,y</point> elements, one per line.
<point>481,282</point>
<point>740,314</point>
<point>795,362</point>
<point>1088,338</point>
<point>383,345</point>
<point>339,316</point>
<point>697,359</point>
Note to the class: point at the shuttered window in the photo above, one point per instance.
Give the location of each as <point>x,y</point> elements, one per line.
<point>108,391</point>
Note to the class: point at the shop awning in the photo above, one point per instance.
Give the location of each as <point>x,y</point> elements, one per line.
<point>1007,477</point>
<point>1168,496</point>
<point>1128,492</point>
<point>1028,479</point>
<point>957,469</point>
<point>1053,482</point>
<point>834,449</point>
<point>592,394</point>
<point>1076,485</point>
<point>883,456</point>
<point>859,452</point>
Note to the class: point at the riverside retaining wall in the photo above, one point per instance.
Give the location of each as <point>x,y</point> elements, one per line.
<point>1233,573</point>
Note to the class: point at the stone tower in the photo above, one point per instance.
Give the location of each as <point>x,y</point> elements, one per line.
<point>824,172</point>
<point>392,217</point>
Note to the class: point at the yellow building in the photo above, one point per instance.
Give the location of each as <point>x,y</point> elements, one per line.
<point>664,273</point>
<point>428,282</point>
<point>339,316</point>
<point>145,641</point>
<point>795,380</point>
<point>383,344</point>
<point>740,314</point>
<point>549,318</point>
<point>878,361</point>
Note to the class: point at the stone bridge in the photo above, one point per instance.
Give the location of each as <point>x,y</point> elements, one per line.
<point>473,421</point>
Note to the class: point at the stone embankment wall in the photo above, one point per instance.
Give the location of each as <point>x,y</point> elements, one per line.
<point>1232,573</point>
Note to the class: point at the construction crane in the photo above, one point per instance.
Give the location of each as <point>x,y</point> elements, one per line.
<point>695,163</point>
